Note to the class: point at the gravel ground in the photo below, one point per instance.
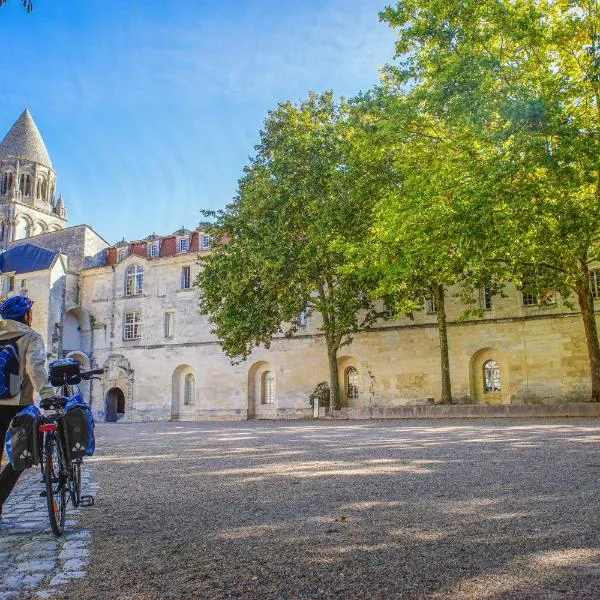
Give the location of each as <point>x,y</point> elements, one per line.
<point>374,510</point>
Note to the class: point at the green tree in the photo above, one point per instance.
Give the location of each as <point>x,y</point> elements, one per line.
<point>430,232</point>
<point>521,79</point>
<point>278,244</point>
<point>28,4</point>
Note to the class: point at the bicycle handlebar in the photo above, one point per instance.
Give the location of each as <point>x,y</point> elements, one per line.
<point>90,374</point>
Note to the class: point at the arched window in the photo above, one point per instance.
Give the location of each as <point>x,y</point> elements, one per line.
<point>268,388</point>
<point>25,184</point>
<point>189,391</point>
<point>44,190</point>
<point>351,382</point>
<point>38,189</point>
<point>491,376</point>
<point>134,281</point>
<point>6,183</point>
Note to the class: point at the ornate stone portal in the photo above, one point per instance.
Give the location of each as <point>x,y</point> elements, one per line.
<point>117,388</point>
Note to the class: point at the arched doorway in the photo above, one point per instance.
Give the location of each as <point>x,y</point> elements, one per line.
<point>77,331</point>
<point>183,393</point>
<point>261,391</point>
<point>115,405</point>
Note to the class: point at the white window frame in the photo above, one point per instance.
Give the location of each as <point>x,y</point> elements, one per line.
<point>121,254</point>
<point>430,304</point>
<point>135,274</point>
<point>267,388</point>
<point>186,277</point>
<point>302,319</point>
<point>595,283</point>
<point>189,389</point>
<point>485,297</point>
<point>206,241</point>
<point>351,381</point>
<point>491,377</point>
<point>183,245</point>
<point>132,326</point>
<point>153,250</point>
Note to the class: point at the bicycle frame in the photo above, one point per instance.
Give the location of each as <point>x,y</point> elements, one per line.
<point>64,483</point>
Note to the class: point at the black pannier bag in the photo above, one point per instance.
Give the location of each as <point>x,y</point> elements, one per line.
<point>64,371</point>
<point>77,431</point>
<point>22,439</point>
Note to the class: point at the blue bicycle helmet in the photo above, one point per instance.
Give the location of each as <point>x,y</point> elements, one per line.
<point>15,308</point>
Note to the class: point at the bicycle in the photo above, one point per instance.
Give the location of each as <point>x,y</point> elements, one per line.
<point>62,474</point>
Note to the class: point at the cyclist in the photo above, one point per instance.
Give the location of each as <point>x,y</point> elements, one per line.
<point>16,325</point>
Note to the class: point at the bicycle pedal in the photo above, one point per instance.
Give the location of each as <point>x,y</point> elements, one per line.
<point>86,501</point>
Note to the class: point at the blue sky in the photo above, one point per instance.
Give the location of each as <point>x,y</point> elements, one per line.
<point>151,108</point>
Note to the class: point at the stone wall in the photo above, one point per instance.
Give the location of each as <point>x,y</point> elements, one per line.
<point>540,351</point>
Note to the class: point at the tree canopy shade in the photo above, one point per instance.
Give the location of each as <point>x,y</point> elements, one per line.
<point>28,4</point>
<point>296,202</point>
<point>520,81</point>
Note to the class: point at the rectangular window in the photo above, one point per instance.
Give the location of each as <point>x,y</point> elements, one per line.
<point>185,278</point>
<point>11,284</point>
<point>23,283</point>
<point>430,304</point>
<point>595,283</point>
<point>133,326</point>
<point>121,254</point>
<point>206,242</point>
<point>182,245</point>
<point>153,250</point>
<point>168,324</point>
<point>303,318</point>
<point>485,298</point>
<point>535,294</point>
<point>530,297</point>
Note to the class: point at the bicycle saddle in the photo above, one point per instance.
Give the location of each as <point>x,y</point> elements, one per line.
<point>54,402</point>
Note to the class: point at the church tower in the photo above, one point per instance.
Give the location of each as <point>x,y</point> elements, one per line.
<point>28,203</point>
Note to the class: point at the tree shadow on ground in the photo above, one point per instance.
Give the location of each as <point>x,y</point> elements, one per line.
<point>485,509</point>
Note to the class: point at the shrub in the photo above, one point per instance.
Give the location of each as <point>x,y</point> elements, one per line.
<point>320,393</point>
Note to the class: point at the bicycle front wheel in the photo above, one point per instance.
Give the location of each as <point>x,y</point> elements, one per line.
<point>56,490</point>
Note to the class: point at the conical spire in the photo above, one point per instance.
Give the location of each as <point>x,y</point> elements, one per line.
<point>24,141</point>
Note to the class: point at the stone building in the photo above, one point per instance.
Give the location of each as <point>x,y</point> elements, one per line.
<point>28,205</point>
<point>131,308</point>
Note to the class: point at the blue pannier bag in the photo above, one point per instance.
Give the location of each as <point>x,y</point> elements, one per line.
<point>79,428</point>
<point>10,378</point>
<point>22,439</point>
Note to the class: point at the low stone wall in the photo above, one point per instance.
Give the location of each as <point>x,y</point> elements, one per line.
<point>467,411</point>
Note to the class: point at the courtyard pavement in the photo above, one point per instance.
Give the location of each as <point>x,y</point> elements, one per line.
<point>372,510</point>
<point>35,564</point>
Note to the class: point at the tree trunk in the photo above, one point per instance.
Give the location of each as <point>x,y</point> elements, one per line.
<point>438,296</point>
<point>586,304</point>
<point>334,382</point>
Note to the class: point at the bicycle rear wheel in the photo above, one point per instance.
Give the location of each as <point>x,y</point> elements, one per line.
<point>76,468</point>
<point>56,490</point>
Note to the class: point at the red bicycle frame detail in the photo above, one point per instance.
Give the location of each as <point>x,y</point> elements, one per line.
<point>49,427</point>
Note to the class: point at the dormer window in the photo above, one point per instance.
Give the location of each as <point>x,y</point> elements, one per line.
<point>121,254</point>
<point>153,250</point>
<point>183,244</point>
<point>206,241</point>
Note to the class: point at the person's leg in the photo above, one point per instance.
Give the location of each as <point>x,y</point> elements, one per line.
<point>8,476</point>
